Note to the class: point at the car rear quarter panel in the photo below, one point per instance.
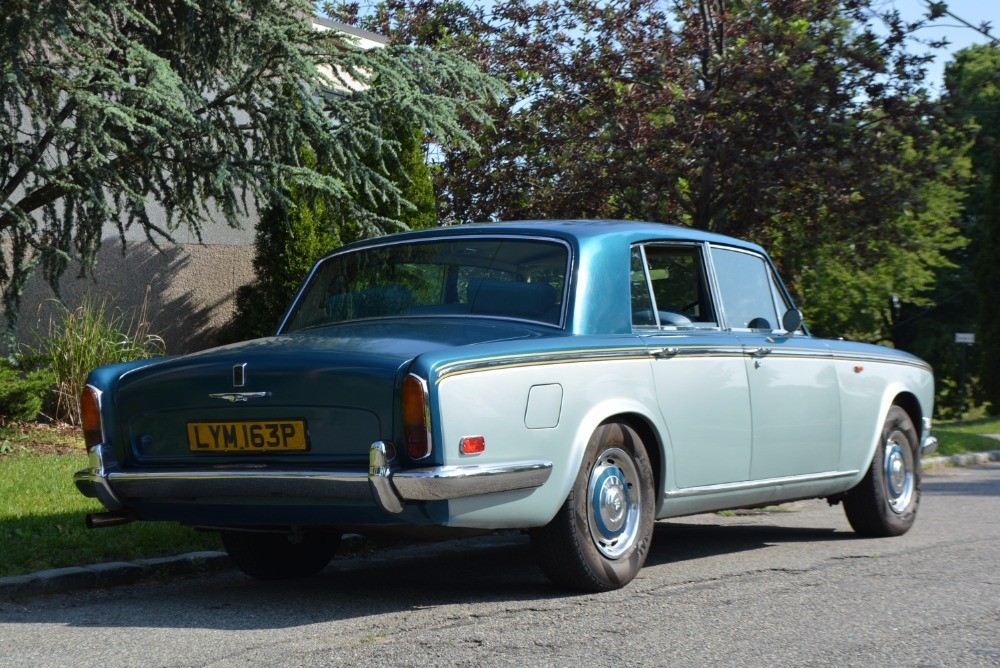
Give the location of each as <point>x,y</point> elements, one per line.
<point>493,403</point>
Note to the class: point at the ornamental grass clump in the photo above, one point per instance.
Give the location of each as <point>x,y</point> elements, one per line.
<point>94,334</point>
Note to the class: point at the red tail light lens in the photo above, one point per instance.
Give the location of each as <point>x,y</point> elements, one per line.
<point>90,415</point>
<point>416,422</point>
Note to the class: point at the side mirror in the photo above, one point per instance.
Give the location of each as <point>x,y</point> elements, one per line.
<point>792,320</point>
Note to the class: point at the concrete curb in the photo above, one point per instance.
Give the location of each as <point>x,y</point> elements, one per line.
<point>117,573</point>
<point>113,574</point>
<point>968,459</point>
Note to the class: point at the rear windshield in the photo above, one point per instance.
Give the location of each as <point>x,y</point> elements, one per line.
<point>509,278</point>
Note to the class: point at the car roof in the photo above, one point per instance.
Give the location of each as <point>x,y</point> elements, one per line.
<point>579,230</point>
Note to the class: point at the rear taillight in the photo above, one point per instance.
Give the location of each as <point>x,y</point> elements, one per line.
<point>416,417</point>
<point>90,415</point>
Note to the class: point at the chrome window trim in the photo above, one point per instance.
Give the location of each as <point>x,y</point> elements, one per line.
<point>784,293</point>
<point>567,288</point>
<point>768,269</point>
<point>649,286</point>
<point>720,308</point>
<point>756,484</point>
<point>779,301</point>
<point>700,253</point>
<point>775,280</point>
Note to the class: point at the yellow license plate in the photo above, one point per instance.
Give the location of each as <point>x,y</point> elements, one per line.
<point>248,436</point>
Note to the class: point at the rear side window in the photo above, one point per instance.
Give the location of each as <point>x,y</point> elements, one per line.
<point>746,292</point>
<point>668,287</point>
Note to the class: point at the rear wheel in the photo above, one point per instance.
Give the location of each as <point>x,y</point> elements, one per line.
<point>885,502</point>
<point>600,537</point>
<point>280,556</point>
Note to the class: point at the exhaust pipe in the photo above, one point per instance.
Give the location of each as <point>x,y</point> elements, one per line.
<point>101,520</point>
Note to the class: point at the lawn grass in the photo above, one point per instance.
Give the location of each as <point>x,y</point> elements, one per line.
<point>41,520</point>
<point>957,437</point>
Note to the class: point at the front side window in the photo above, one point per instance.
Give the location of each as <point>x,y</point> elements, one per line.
<point>746,291</point>
<point>510,278</point>
<point>676,276</point>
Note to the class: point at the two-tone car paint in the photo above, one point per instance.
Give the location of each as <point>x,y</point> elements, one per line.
<point>730,417</point>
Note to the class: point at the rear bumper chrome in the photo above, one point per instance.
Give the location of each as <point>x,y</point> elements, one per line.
<point>390,487</point>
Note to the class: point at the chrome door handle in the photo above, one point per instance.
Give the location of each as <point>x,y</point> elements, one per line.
<point>663,353</point>
<point>758,354</point>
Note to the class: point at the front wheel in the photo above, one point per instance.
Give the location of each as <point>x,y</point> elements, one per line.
<point>600,537</point>
<point>280,556</point>
<point>885,502</point>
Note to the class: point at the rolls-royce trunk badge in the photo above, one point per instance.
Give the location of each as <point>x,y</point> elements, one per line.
<point>233,397</point>
<point>239,380</point>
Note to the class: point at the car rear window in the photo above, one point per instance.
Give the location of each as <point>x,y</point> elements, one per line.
<point>509,278</point>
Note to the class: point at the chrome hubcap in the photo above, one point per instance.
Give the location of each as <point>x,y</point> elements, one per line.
<point>899,480</point>
<point>613,503</point>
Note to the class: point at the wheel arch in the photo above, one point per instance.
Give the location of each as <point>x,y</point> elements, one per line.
<point>895,395</point>
<point>909,403</point>
<point>653,443</point>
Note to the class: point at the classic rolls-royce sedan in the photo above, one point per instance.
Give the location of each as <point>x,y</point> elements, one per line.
<point>575,379</point>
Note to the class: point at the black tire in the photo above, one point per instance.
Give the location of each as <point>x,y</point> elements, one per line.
<point>593,551</point>
<point>885,502</point>
<point>274,556</point>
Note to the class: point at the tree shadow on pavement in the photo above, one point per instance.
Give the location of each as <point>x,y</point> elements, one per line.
<point>496,568</point>
<point>676,541</point>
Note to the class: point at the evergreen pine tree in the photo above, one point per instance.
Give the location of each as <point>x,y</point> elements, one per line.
<point>112,110</point>
<point>300,228</point>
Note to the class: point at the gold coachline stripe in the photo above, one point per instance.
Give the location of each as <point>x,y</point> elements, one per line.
<point>540,359</point>
<point>666,352</point>
<point>847,357</point>
<point>888,359</point>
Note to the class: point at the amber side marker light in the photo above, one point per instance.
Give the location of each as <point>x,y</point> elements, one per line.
<point>416,423</point>
<point>90,415</point>
<point>472,445</point>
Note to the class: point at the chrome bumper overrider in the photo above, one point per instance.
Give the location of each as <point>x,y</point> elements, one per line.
<point>391,488</point>
<point>928,443</point>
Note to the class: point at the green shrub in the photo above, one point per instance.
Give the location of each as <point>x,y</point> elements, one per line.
<point>22,392</point>
<point>92,335</point>
<point>294,233</point>
<point>289,241</point>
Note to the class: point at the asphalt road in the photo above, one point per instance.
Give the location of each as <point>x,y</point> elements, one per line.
<point>792,588</point>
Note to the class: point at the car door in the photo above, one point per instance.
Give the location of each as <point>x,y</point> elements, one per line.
<point>698,370</point>
<point>794,391</point>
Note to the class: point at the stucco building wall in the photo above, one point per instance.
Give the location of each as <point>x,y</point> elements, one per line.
<point>190,290</point>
